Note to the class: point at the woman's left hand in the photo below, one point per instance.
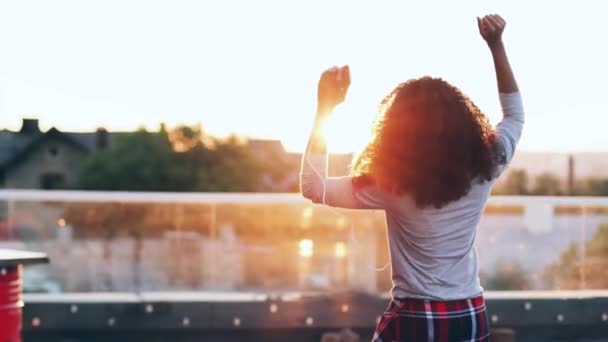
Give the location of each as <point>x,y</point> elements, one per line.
<point>332,89</point>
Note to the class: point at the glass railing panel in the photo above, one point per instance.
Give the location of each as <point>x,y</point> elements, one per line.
<point>276,243</point>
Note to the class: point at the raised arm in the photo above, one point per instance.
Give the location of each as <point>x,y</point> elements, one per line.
<point>314,183</point>
<point>510,128</point>
<point>491,28</point>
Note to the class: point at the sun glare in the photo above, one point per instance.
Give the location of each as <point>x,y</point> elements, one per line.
<point>306,248</point>
<point>346,132</point>
<point>340,250</point>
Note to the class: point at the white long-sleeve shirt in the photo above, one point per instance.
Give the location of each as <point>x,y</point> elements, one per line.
<point>432,250</point>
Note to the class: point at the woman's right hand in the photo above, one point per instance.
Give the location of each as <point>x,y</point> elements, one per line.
<point>333,85</point>
<point>491,28</point>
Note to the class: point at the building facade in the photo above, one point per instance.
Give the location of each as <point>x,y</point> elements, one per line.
<point>32,159</point>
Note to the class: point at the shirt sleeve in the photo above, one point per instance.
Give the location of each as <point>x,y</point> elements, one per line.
<point>509,130</point>
<point>335,191</point>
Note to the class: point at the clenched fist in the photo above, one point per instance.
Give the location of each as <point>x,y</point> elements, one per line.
<point>491,28</point>
<point>333,85</point>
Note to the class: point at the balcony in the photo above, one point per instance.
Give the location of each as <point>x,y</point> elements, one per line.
<point>273,267</point>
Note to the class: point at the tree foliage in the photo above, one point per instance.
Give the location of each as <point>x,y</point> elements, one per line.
<point>547,184</point>
<point>592,187</point>
<point>582,266</point>
<point>508,276</point>
<point>179,160</point>
<point>516,183</point>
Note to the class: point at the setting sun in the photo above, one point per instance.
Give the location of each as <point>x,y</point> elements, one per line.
<point>348,128</point>
<point>347,131</point>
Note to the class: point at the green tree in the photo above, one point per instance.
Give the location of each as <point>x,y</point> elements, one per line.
<point>230,167</point>
<point>547,184</point>
<point>142,161</point>
<point>582,266</point>
<point>515,183</point>
<point>179,160</point>
<point>592,187</point>
<point>509,276</point>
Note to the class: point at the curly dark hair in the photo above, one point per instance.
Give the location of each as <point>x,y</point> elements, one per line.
<point>431,141</point>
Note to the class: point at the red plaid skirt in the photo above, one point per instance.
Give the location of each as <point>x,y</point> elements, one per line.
<point>434,321</point>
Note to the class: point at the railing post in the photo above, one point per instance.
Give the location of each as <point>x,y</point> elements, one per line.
<point>11,288</point>
<point>10,219</point>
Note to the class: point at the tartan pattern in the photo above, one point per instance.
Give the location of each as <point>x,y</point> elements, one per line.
<point>426,320</point>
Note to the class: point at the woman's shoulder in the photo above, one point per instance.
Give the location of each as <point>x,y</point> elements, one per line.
<point>362,181</point>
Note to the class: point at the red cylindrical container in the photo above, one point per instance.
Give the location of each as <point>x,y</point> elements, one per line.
<point>11,303</point>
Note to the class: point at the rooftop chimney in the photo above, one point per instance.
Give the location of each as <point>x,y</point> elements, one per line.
<point>101,138</point>
<point>29,126</point>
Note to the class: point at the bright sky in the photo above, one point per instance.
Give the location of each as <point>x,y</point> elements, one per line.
<point>251,67</point>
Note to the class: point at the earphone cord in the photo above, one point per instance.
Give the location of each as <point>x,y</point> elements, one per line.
<point>351,234</point>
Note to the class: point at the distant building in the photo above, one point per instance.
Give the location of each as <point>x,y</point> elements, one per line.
<point>32,159</point>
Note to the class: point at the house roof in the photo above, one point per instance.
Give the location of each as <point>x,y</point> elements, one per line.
<point>15,145</point>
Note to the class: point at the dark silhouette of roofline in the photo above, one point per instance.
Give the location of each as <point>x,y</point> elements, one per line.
<point>52,133</point>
